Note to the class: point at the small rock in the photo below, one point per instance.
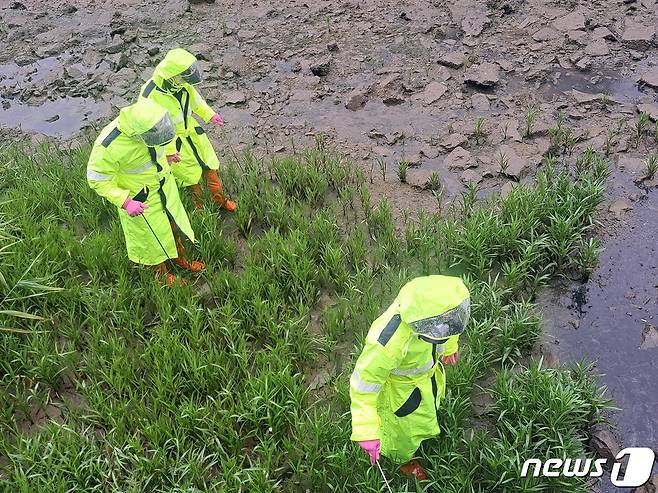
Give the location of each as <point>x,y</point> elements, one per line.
<point>433,92</point>
<point>393,100</point>
<point>453,140</point>
<point>389,83</point>
<point>333,46</point>
<point>459,158</point>
<point>413,160</point>
<point>517,166</point>
<point>637,36</point>
<point>76,71</point>
<point>570,22</point>
<point>202,51</point>
<point>650,77</point>
<point>485,75</point>
<point>650,108</point>
<point>430,151</point>
<point>474,23</point>
<point>619,206</point>
<point>419,178</point>
<point>597,48</point>
<point>649,337</point>
<point>604,444</point>
<point>471,176</point>
<point>453,59</point>
<point>546,34</point>
<point>115,45</point>
<point>321,66</point>
<point>357,99</point>
<point>52,119</point>
<point>50,49</point>
<point>603,33</point>
<point>585,97</point>
<point>117,61</point>
<point>480,102</point>
<point>584,64</point>
<point>235,97</point>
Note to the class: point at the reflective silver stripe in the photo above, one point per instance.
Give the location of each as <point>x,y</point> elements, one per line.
<point>440,348</point>
<point>139,169</point>
<point>178,119</point>
<point>413,371</point>
<point>96,176</point>
<point>361,386</point>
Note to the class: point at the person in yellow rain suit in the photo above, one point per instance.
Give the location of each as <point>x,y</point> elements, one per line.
<point>127,166</point>
<point>398,381</point>
<point>172,86</point>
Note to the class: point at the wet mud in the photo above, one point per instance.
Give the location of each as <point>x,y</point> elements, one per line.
<point>391,81</point>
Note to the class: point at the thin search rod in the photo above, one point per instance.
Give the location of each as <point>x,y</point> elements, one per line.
<point>156,236</point>
<point>383,476</point>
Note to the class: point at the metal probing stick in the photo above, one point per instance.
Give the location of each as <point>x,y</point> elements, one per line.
<point>383,476</point>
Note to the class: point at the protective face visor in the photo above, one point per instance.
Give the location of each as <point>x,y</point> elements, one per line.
<point>159,134</point>
<point>191,75</point>
<point>450,323</point>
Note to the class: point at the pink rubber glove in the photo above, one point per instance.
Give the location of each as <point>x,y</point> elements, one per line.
<point>217,120</point>
<point>134,207</point>
<point>173,158</point>
<point>371,448</point>
<point>450,360</point>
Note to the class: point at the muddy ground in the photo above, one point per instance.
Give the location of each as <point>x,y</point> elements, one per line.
<point>392,81</point>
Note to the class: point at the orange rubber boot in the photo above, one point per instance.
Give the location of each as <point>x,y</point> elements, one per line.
<point>181,261</point>
<point>413,468</point>
<point>217,191</point>
<point>196,195</point>
<point>163,276</point>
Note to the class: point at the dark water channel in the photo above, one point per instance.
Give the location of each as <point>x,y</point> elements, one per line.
<point>611,321</point>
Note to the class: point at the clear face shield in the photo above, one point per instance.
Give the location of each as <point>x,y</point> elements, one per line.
<point>450,323</point>
<point>159,134</point>
<point>192,75</point>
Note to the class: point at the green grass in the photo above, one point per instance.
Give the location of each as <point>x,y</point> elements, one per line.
<point>206,387</point>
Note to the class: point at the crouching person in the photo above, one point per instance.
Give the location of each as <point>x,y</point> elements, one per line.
<point>398,382</point>
<point>128,167</point>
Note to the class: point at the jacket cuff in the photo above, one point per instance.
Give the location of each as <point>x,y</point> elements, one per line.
<point>363,433</point>
<point>206,113</point>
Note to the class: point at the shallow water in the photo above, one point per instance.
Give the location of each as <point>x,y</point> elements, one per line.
<point>603,321</point>
<point>59,118</point>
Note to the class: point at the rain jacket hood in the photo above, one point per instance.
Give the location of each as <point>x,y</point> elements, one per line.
<point>175,62</point>
<point>435,306</point>
<point>138,118</point>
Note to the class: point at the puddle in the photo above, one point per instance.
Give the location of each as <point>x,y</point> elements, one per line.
<point>603,322</point>
<point>624,90</point>
<point>59,118</point>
